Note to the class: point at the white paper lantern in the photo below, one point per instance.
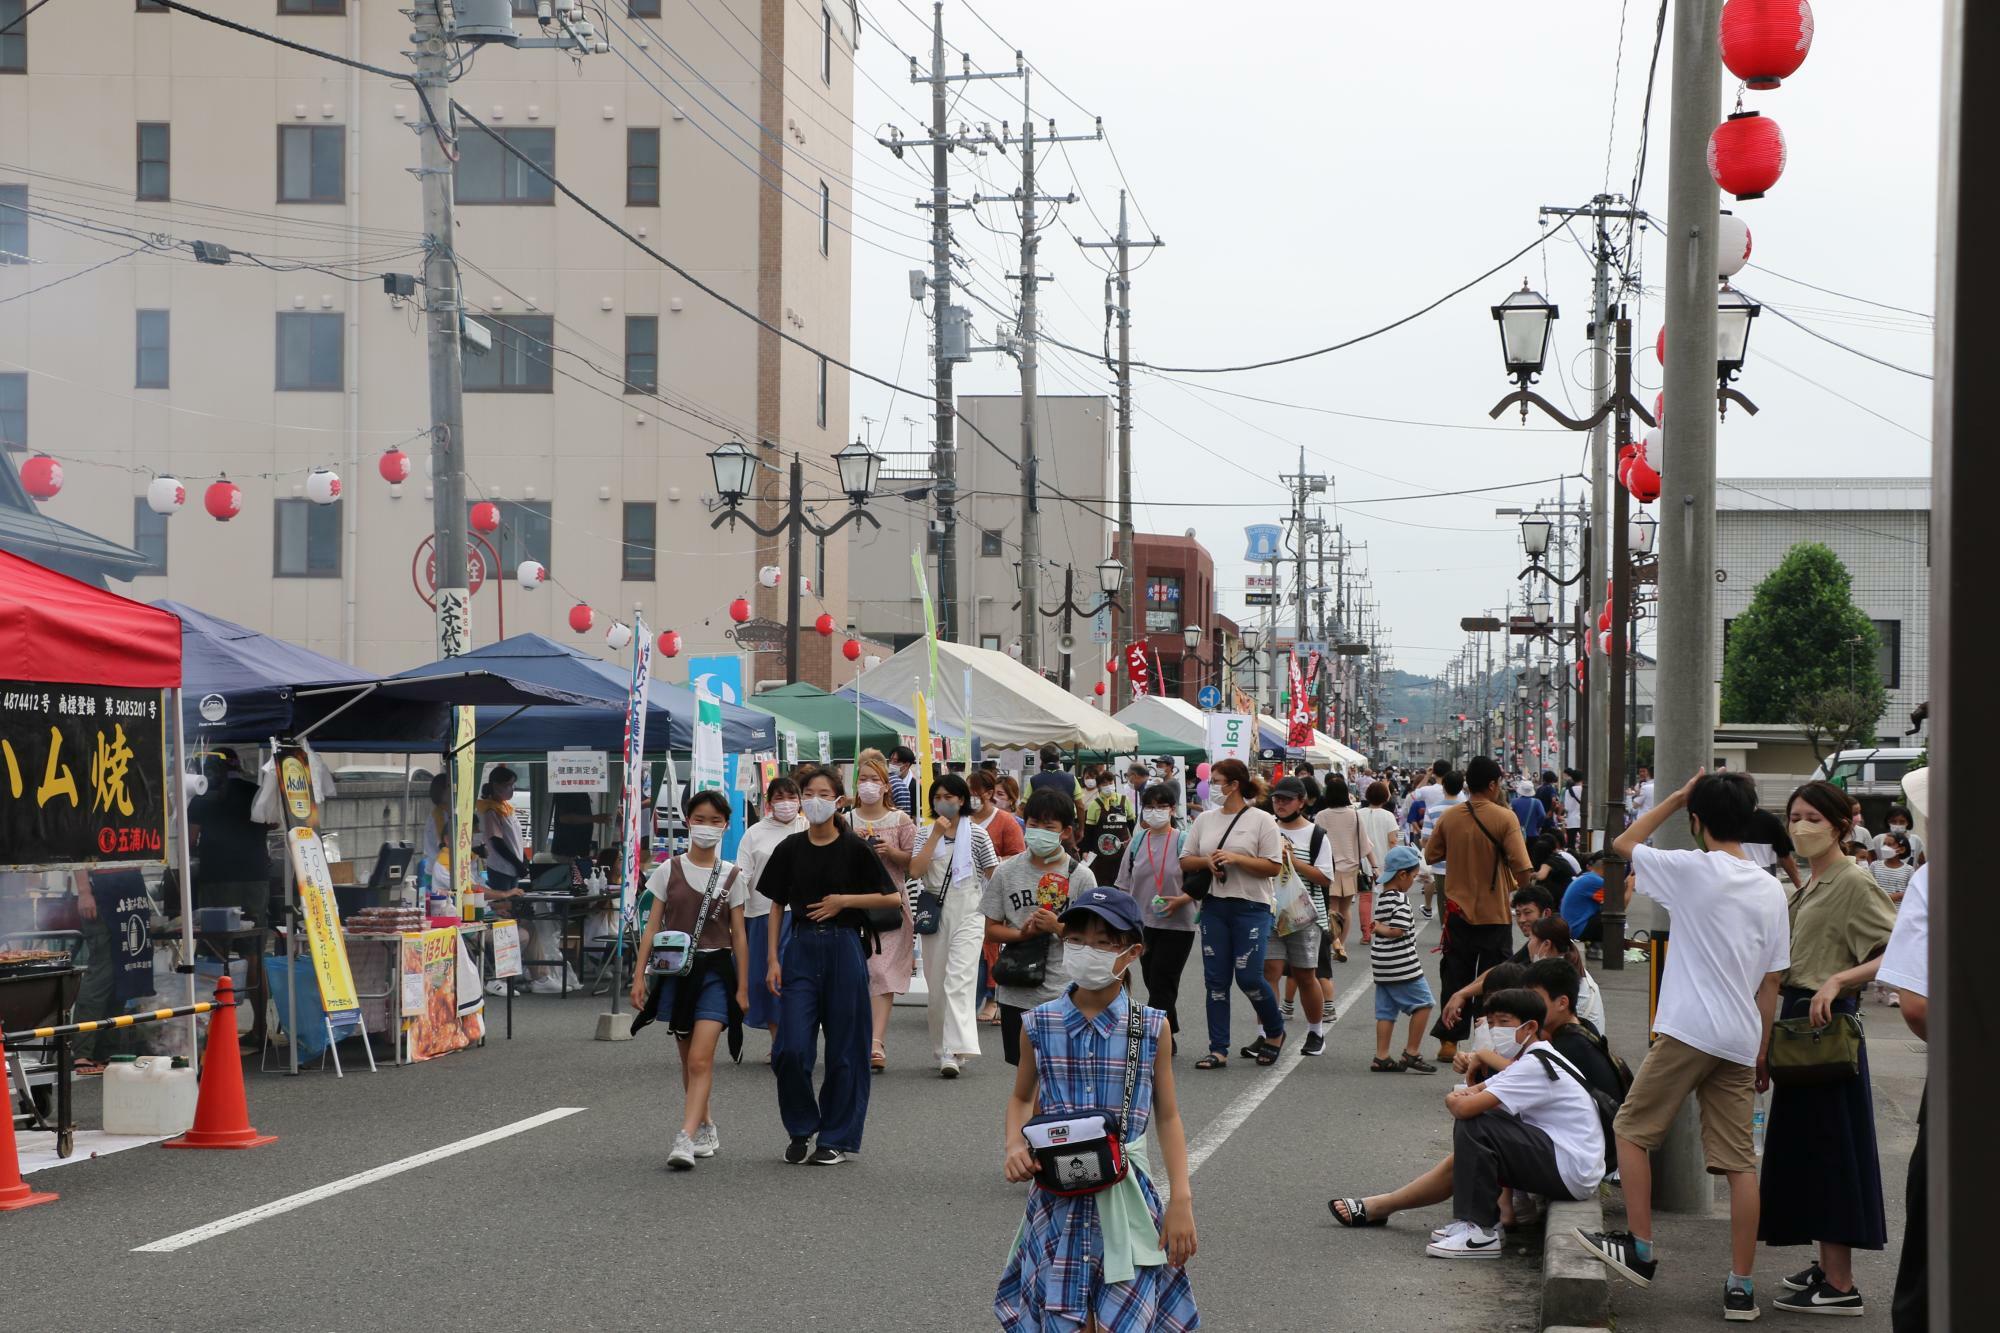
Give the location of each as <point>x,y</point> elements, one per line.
<point>618,636</point>
<point>805,585</point>
<point>322,486</point>
<point>769,576</point>
<point>164,494</point>
<point>531,574</point>
<point>1732,244</point>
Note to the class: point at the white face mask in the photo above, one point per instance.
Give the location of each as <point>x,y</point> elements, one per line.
<point>868,792</point>
<point>977,805</point>
<point>705,835</point>
<point>1092,969</point>
<point>784,812</point>
<point>1506,1042</point>
<point>1899,828</point>
<point>1158,816</point>
<point>1090,784</point>
<point>819,809</point>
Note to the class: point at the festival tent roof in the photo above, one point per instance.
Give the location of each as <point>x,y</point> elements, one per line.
<point>58,631</point>
<point>1152,744</point>
<point>1272,734</point>
<point>1174,718</point>
<point>806,710</point>
<point>1011,707</point>
<point>881,708</point>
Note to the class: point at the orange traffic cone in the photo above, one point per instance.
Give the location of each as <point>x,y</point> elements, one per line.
<point>14,1192</point>
<point>221,1120</point>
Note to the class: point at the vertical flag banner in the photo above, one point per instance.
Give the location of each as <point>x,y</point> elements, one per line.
<point>708,774</point>
<point>1298,731</point>
<point>1138,669</point>
<point>923,712</point>
<point>930,617</point>
<point>722,676</point>
<point>1231,736</point>
<point>635,761</point>
<point>465,781</point>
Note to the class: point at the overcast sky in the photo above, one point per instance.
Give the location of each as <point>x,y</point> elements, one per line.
<point>1321,169</point>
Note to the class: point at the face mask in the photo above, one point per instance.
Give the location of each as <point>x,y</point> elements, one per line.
<point>1899,828</point>
<point>1700,838</point>
<point>1044,843</point>
<point>1506,1042</point>
<point>869,792</point>
<point>1001,802</point>
<point>784,811</point>
<point>1217,797</point>
<point>1090,784</point>
<point>819,809</point>
<point>1158,817</point>
<point>977,805</point>
<point>1815,840</point>
<point>705,835</point>
<point>946,809</point>
<point>1092,969</point>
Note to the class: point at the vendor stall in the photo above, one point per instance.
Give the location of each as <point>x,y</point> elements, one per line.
<point>807,712</point>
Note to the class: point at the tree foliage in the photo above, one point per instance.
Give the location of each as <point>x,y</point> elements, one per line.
<point>1838,719</point>
<point>1801,642</point>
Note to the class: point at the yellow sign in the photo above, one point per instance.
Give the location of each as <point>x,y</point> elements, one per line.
<point>923,757</point>
<point>465,781</point>
<point>323,938</point>
<point>295,781</point>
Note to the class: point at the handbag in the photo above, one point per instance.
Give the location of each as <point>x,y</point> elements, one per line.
<point>1196,883</point>
<point>926,903</point>
<point>1025,963</point>
<point>674,950</point>
<point>1084,1154</point>
<point>1363,881</point>
<point>1802,1055</point>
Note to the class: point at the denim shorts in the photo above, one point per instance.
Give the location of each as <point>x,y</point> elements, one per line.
<point>711,1001</point>
<point>1298,949</point>
<point>1401,997</point>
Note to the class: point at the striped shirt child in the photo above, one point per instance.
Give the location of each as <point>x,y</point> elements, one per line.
<point>1395,960</point>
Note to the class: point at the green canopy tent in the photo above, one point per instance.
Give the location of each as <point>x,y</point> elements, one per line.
<point>1151,744</point>
<point>806,710</point>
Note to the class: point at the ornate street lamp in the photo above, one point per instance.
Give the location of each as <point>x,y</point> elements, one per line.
<point>1110,576</point>
<point>859,466</point>
<point>1524,320</point>
<point>1535,530</point>
<point>1644,528</point>
<point>733,466</point>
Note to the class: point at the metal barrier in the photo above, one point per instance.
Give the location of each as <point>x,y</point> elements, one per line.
<point>106,1024</point>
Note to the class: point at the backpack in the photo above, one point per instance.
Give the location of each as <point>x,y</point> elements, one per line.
<point>1623,1070</point>
<point>1607,1109</point>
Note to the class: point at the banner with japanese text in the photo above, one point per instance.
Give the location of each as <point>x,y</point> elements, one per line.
<point>317,905</point>
<point>1139,669</point>
<point>922,708</point>
<point>631,863</point>
<point>1299,728</point>
<point>83,775</point>
<point>431,1001</point>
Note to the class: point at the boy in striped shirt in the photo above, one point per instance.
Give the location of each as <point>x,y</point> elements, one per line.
<point>1400,987</point>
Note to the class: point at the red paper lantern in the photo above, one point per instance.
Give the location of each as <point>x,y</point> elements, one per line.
<point>42,477</point>
<point>851,650</point>
<point>1746,154</point>
<point>670,643</point>
<point>1643,482</point>
<point>223,499</point>
<point>1111,667</point>
<point>394,465</point>
<point>823,626</point>
<point>486,517</point>
<point>1765,41</point>
<point>1098,689</point>
<point>1660,407</point>
<point>581,618</point>
<point>1660,346</point>
<point>1604,620</point>
<point>739,610</point>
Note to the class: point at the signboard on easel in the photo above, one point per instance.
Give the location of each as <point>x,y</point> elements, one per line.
<point>324,940</point>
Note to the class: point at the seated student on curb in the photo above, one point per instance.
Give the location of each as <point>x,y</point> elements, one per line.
<point>1524,1121</point>
<point>1575,1039</point>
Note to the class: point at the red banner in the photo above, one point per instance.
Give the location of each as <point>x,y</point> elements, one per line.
<point>1139,670</point>
<point>1300,733</point>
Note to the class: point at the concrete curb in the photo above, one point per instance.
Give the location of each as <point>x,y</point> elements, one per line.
<point>1576,1288</point>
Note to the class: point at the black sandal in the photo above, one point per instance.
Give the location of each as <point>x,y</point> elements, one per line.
<point>1212,1061</point>
<point>1269,1055</point>
<point>1379,1065</point>
<point>1254,1049</point>
<point>1356,1215</point>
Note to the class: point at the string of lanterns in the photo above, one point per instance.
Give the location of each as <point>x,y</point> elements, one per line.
<point>1764,42</point>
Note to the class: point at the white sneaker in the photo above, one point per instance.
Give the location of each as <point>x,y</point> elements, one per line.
<point>497,988</point>
<point>682,1157</point>
<point>1473,1242</point>
<point>1449,1229</point>
<point>706,1141</point>
<point>949,1067</point>
<point>545,985</point>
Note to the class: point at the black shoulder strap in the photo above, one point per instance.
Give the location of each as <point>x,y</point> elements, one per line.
<point>1499,844</point>
<point>1314,843</point>
<point>1134,1042</point>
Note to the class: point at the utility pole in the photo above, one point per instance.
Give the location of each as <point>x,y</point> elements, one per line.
<point>443,311</point>
<point>1301,484</point>
<point>1125,616</point>
<point>1683,682</point>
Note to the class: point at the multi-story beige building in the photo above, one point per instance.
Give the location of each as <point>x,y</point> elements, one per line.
<point>719,133</point>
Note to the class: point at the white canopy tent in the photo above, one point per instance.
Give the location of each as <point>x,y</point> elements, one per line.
<point>1012,708</point>
<point>1176,719</point>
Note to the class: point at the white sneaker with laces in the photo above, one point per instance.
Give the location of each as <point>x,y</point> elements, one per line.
<point>497,988</point>
<point>706,1141</point>
<point>1474,1242</point>
<point>949,1067</point>
<point>682,1157</point>
<point>1451,1228</point>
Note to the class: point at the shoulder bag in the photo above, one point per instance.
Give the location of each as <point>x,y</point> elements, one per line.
<point>1607,1108</point>
<point>1802,1055</point>
<point>1363,881</point>
<point>1196,883</point>
<point>674,950</point>
<point>878,921</point>
<point>926,903</point>
<point>1085,1154</point>
<point>1025,963</point>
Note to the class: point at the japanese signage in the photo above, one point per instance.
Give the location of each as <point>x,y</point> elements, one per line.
<point>635,763</point>
<point>323,937</point>
<point>83,775</point>
<point>587,771</point>
<point>438,1023</point>
<point>1137,667</point>
<point>1231,736</point>
<point>707,754</point>
<point>1299,731</point>
<point>506,949</point>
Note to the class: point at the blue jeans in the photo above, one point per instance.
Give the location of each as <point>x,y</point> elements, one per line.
<point>1233,932</point>
<point>825,985</point>
<point>763,1010</point>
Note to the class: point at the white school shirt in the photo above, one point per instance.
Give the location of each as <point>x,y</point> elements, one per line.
<point>1560,1109</point>
<point>1906,963</point>
<point>1731,929</point>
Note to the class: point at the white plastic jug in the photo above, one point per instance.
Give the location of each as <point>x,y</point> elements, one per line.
<point>153,1094</point>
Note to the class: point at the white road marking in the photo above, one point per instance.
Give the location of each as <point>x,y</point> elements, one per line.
<point>1217,1131</point>
<point>278,1207</point>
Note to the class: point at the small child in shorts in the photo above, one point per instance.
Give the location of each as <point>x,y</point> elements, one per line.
<point>1400,987</point>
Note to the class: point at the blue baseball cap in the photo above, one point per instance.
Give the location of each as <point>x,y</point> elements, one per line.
<point>1400,859</point>
<point>1115,906</point>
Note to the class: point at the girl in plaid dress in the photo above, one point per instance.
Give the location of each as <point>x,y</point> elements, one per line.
<point>1114,1261</point>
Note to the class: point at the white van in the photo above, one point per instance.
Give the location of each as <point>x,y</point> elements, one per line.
<point>1873,772</point>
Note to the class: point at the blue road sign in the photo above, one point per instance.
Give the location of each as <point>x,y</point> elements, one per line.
<point>1210,697</point>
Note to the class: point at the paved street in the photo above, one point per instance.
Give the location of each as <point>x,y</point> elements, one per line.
<point>577,1223</point>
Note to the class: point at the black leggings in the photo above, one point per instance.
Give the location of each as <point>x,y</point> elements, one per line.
<point>1161,965</point>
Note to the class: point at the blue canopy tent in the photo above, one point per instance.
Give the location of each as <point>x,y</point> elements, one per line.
<point>240,687</point>
<point>881,708</point>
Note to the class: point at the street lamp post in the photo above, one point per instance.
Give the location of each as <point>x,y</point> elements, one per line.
<point>735,470</point>
<point>1110,581</point>
<point>1216,662</point>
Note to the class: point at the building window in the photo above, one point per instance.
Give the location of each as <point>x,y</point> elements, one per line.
<point>13,410</point>
<point>523,534</point>
<point>1170,676</point>
<point>310,351</point>
<point>825,44</point>
<point>990,543</point>
<point>312,164</point>
<point>990,642</point>
<point>642,353</point>
<point>825,219</point>
<point>14,46</point>
<point>307,540</point>
<point>13,217</point>
<point>312,6</point>
<point>150,352</point>
<point>488,174</point>
<point>645,9</point>
<point>640,539</point>
<point>155,159</point>
<point>522,359</point>
<point>149,536</point>
<point>642,168</point>
<point>822,393</point>
<point>1889,658</point>
<point>1163,604</point>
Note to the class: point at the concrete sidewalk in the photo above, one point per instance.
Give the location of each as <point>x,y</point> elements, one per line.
<point>1694,1251</point>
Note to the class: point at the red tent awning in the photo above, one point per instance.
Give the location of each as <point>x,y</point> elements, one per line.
<point>59,631</point>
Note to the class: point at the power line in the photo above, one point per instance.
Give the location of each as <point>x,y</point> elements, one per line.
<point>1845,296</point>
<point>1855,351</point>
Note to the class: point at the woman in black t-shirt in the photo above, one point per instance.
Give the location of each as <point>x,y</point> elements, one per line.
<point>826,876</point>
